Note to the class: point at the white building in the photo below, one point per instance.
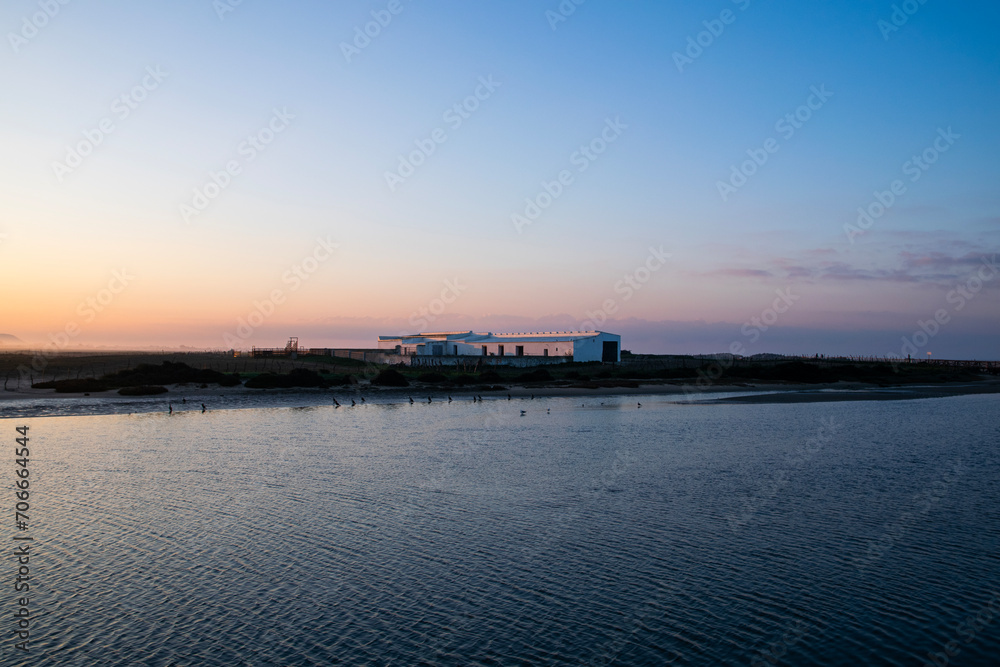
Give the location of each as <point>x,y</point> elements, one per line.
<point>579,346</point>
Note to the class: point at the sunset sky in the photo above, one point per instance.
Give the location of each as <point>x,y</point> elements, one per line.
<point>688,162</point>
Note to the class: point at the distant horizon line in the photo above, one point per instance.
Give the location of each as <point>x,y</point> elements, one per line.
<point>190,349</point>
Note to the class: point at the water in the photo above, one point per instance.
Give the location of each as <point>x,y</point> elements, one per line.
<point>467,534</point>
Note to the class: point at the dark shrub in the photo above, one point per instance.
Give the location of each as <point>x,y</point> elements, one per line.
<point>464,379</point>
<point>168,372</point>
<point>537,375</point>
<point>390,378</point>
<point>144,390</point>
<point>73,386</point>
<point>432,378</point>
<point>340,380</point>
<point>490,376</point>
<point>298,377</point>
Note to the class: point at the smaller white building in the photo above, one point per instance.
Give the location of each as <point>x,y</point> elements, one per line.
<point>576,345</point>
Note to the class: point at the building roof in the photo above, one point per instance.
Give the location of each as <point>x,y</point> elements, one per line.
<point>489,336</point>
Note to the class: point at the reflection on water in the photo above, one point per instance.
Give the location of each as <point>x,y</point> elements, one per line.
<point>458,534</point>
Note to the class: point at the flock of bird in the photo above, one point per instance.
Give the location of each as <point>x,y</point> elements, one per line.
<point>336,404</point>
<point>475,399</point>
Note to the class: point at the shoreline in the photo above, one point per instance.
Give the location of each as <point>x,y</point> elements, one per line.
<point>757,393</point>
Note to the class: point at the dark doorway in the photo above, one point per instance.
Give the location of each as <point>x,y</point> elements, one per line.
<point>610,351</point>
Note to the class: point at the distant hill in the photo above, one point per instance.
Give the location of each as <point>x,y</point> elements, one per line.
<point>9,339</point>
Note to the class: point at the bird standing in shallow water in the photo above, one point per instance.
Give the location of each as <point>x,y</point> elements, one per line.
<point>523,412</point>
<point>411,399</point>
<point>449,399</point>
<point>171,408</point>
<point>353,403</point>
<point>640,405</point>
<point>203,408</point>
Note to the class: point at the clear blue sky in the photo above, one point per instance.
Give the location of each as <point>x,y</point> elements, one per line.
<point>555,86</point>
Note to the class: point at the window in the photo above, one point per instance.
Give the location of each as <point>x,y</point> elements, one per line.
<point>519,350</point>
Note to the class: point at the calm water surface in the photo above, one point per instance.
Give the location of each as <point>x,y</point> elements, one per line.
<point>468,534</point>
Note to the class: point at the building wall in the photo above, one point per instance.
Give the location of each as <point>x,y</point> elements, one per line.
<point>561,348</point>
<point>592,349</point>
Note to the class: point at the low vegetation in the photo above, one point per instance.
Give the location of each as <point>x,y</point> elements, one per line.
<point>143,390</point>
<point>298,378</point>
<point>143,376</point>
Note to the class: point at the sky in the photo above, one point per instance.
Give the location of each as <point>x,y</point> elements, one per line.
<point>792,178</point>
